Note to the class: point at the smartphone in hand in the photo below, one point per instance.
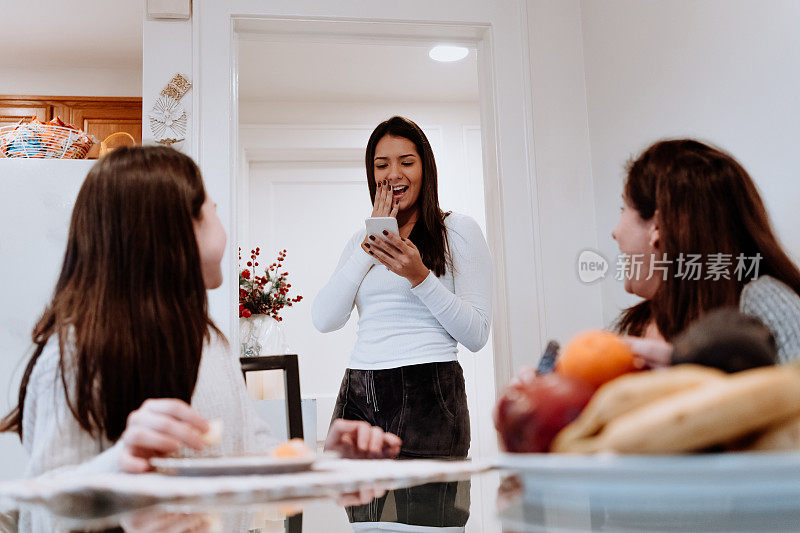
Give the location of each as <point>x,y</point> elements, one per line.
<point>377,225</point>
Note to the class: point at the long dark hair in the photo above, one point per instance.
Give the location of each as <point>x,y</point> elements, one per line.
<point>130,306</point>
<point>429,236</point>
<point>707,204</point>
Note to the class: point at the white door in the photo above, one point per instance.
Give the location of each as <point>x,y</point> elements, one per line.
<point>311,210</point>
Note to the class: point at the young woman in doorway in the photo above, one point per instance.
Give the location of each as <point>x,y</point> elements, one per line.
<point>418,295</point>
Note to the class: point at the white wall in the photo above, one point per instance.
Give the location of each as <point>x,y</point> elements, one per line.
<point>36,199</point>
<point>724,71</point>
<point>166,51</point>
<point>367,113</point>
<point>563,181</point>
<point>70,81</point>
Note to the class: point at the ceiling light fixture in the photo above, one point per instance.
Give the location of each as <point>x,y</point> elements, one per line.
<point>448,54</point>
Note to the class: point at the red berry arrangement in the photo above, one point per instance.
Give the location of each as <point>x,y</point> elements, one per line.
<point>267,294</point>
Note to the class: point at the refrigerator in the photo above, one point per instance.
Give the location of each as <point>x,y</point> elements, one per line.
<point>36,199</point>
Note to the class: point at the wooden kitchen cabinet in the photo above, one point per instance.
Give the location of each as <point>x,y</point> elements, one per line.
<point>12,111</point>
<point>98,116</point>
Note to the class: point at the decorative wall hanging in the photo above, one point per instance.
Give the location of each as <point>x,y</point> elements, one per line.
<point>168,119</point>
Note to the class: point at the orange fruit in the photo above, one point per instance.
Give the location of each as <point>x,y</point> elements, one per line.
<point>291,449</point>
<point>596,357</point>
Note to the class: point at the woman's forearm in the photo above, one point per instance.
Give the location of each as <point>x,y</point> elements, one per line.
<point>334,303</point>
<point>467,318</point>
<point>466,314</point>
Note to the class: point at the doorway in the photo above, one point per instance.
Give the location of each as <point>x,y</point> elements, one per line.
<point>307,103</point>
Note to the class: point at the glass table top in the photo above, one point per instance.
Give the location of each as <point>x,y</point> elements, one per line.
<point>490,502</point>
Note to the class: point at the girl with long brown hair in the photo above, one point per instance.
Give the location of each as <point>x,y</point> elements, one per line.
<point>419,294</point>
<point>127,364</point>
<point>698,237</point>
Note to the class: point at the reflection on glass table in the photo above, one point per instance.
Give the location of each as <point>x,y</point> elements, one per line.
<point>158,521</point>
<point>536,509</point>
<point>433,505</point>
<point>211,517</point>
<point>487,503</point>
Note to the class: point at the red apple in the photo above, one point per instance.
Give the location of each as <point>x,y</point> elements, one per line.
<point>532,411</point>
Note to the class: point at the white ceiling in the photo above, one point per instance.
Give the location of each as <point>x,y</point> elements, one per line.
<point>108,34</point>
<point>352,72</point>
<point>80,33</point>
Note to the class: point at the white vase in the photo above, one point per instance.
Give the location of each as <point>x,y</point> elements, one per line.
<point>261,335</point>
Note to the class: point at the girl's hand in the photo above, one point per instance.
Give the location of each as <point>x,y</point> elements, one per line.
<point>399,255</point>
<point>355,439</point>
<point>362,497</point>
<point>159,428</point>
<point>650,353</point>
<point>157,521</point>
<point>383,206</point>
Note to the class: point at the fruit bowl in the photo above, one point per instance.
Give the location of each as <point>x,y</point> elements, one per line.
<point>659,483</point>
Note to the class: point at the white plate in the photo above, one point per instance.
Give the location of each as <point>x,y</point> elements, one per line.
<point>232,466</point>
<point>645,484</point>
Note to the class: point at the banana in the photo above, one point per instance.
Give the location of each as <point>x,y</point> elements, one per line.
<point>712,413</point>
<point>627,393</point>
<point>782,437</point>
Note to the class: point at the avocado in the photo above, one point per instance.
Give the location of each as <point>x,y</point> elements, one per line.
<point>728,340</point>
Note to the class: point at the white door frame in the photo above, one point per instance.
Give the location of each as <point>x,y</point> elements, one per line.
<point>500,35</point>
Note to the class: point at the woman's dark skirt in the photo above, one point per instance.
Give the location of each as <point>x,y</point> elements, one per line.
<point>425,405</point>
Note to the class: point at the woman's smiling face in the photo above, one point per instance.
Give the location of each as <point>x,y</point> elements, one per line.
<point>639,239</point>
<point>397,162</point>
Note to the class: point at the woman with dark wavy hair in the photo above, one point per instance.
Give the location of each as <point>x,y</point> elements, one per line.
<point>699,238</point>
<point>418,295</point>
<point>127,364</point>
